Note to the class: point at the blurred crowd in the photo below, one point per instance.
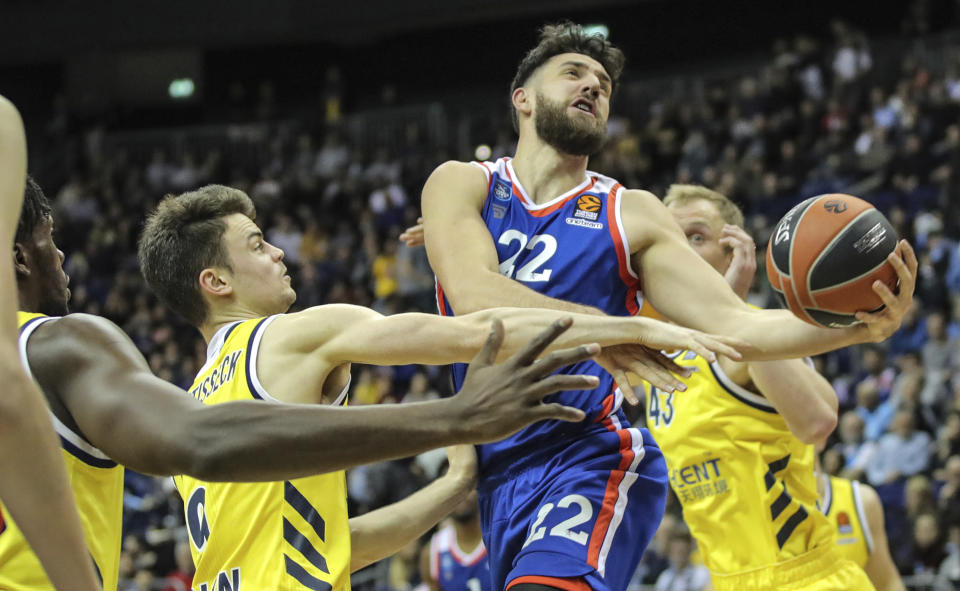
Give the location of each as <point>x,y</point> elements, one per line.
<point>821,115</point>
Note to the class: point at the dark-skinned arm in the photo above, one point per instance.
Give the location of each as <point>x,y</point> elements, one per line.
<point>154,427</point>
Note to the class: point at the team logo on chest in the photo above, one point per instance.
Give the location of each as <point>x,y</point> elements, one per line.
<point>588,208</point>
<point>587,212</point>
<point>501,191</point>
<point>843,523</point>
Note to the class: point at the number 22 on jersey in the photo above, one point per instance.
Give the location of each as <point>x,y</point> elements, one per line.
<point>532,271</point>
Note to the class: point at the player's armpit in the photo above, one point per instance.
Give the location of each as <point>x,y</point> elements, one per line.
<point>804,398</point>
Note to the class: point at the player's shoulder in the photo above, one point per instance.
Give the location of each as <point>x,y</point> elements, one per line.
<point>94,330</point>
<point>72,342</point>
<point>476,173</point>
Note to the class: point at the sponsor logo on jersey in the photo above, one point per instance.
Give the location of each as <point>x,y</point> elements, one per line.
<point>843,523</point>
<point>499,211</point>
<point>501,191</point>
<point>584,223</point>
<point>588,208</point>
<point>699,480</point>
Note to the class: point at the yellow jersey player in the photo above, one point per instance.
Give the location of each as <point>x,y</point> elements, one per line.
<point>854,511</point>
<point>738,441</point>
<point>204,256</point>
<point>110,411</point>
<point>35,488</point>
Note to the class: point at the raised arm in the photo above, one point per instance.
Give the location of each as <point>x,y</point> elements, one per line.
<point>685,289</point>
<point>35,488</point>
<point>805,400</point>
<point>461,250</point>
<point>381,533</point>
<point>151,426</point>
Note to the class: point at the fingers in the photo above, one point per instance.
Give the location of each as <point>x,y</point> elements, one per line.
<point>623,383</point>
<point>718,345</point>
<point>539,344</point>
<point>905,264</point>
<point>560,382</point>
<point>657,375</point>
<point>560,413</point>
<point>488,353</point>
<point>558,359</point>
<point>671,365</point>
<point>887,296</point>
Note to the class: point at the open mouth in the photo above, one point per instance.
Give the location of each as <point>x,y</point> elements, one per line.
<point>584,105</point>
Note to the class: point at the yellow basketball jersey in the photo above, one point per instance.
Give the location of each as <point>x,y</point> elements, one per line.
<point>284,536</point>
<point>746,484</point>
<point>843,506</point>
<point>97,484</point>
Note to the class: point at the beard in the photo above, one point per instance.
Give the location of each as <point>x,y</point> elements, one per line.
<point>568,135</point>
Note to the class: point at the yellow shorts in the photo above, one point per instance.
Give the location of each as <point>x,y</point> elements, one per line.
<point>821,569</point>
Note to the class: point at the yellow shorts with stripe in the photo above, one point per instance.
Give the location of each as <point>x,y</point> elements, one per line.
<point>821,569</point>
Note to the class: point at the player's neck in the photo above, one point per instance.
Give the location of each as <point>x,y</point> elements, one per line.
<point>217,319</point>
<point>544,172</point>
<point>469,535</point>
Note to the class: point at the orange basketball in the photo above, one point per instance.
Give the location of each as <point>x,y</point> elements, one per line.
<point>824,256</point>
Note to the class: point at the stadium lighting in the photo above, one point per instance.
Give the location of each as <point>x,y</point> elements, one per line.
<point>482,152</point>
<point>597,29</point>
<point>181,88</point>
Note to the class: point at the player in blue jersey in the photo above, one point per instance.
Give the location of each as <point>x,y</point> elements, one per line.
<point>456,559</point>
<point>572,506</point>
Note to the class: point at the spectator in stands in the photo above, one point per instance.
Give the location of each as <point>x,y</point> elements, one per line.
<point>681,575</point>
<point>876,415</point>
<point>853,448</point>
<point>927,550</point>
<point>901,453</point>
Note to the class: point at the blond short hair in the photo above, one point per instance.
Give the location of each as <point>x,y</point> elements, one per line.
<point>684,194</point>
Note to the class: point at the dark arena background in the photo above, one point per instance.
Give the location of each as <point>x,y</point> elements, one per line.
<point>331,116</point>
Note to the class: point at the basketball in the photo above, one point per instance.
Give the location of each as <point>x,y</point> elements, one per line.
<point>825,254</point>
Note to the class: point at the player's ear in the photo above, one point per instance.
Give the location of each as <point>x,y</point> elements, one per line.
<point>20,259</point>
<point>522,99</point>
<point>215,282</point>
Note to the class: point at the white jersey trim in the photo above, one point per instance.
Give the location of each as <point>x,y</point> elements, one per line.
<point>58,425</point>
<point>623,490</point>
<point>254,353</point>
<point>618,199</point>
<point>216,343</point>
<point>529,204</point>
<point>864,524</point>
<point>739,390</point>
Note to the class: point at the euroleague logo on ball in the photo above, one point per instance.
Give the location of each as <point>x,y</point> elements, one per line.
<point>835,206</point>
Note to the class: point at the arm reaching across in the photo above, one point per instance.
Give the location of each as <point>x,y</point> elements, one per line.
<point>35,488</point>
<point>151,426</point>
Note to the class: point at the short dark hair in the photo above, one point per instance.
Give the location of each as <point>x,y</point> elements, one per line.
<point>183,237</point>
<point>567,37</point>
<point>35,210</point>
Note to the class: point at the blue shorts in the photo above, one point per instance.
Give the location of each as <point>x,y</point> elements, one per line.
<point>584,509</point>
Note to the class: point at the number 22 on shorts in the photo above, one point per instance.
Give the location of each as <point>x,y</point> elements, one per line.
<point>564,529</point>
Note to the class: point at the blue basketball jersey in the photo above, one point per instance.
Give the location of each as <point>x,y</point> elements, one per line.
<point>456,570</point>
<point>572,248</point>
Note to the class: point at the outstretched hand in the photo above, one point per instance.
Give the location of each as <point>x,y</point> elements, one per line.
<point>413,236</point>
<point>646,360</point>
<point>883,323</point>
<point>499,400</point>
<point>743,266</point>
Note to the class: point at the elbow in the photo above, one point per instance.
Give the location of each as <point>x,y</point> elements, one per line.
<point>817,427</point>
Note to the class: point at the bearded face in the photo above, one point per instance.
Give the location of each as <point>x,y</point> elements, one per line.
<point>577,135</point>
